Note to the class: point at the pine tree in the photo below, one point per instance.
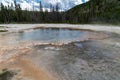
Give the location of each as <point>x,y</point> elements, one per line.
<point>57,7</point>
<point>41,7</point>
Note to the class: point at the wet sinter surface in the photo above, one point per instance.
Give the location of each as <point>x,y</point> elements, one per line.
<point>93,58</point>
<point>49,35</point>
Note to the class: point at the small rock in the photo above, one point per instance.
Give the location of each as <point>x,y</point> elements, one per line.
<point>117,44</point>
